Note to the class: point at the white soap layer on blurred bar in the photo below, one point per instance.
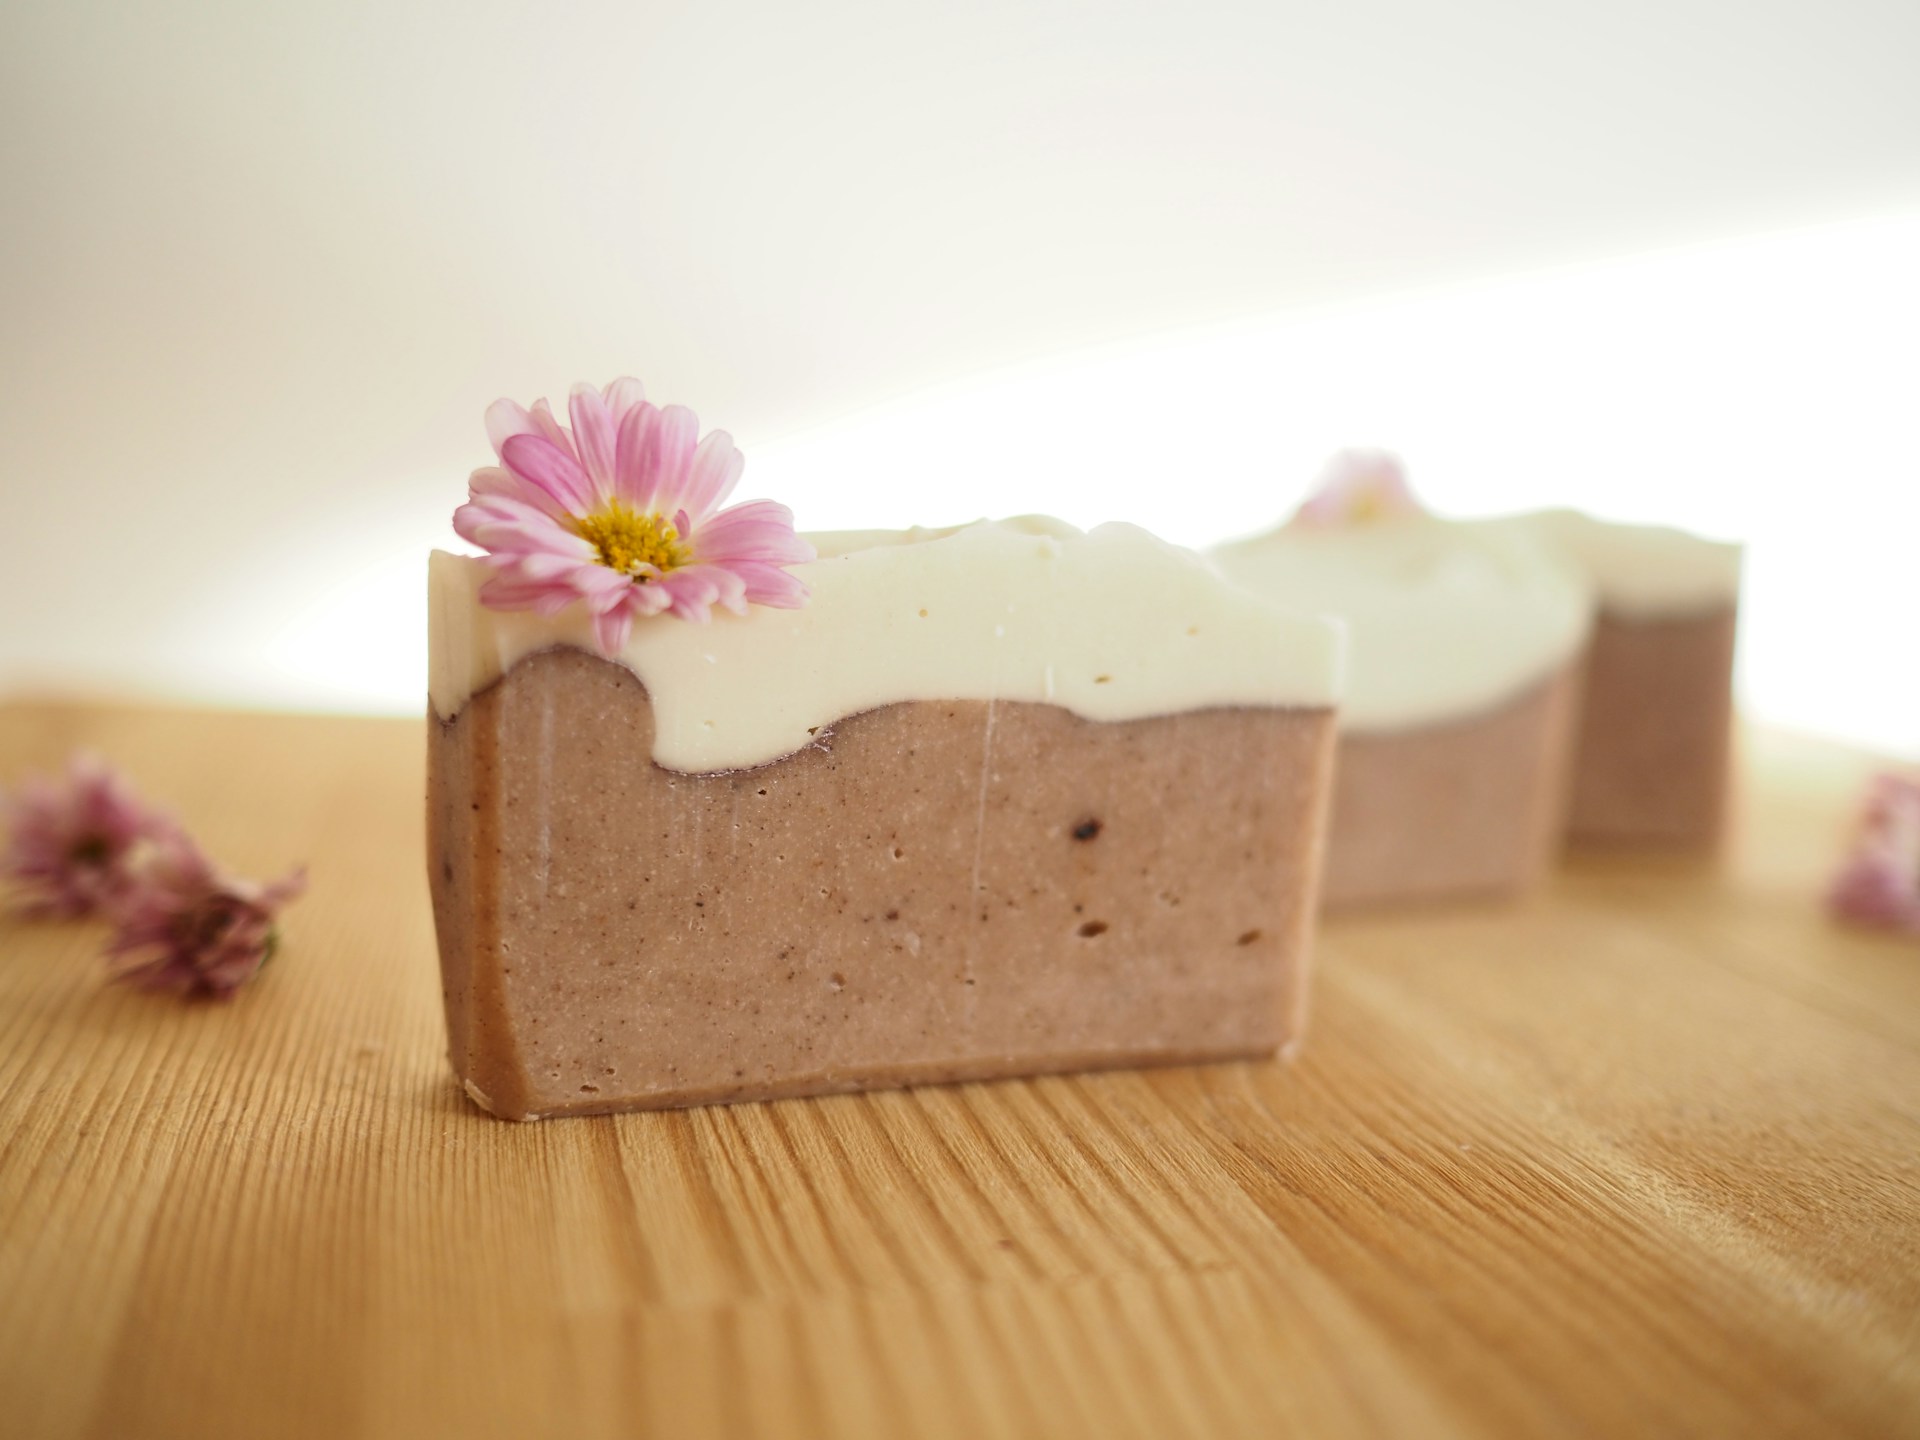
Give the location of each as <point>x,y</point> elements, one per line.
<point>1643,572</point>
<point>1445,619</point>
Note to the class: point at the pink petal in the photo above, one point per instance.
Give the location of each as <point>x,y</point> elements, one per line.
<point>692,591</point>
<point>622,395</point>
<point>633,482</point>
<point>540,462</point>
<point>549,584</point>
<point>770,585</point>
<point>288,887</point>
<point>512,592</point>
<point>505,419</point>
<point>611,629</point>
<point>504,593</point>
<point>650,599</point>
<point>602,587</point>
<point>546,425</point>
<point>667,456</point>
<point>752,540</point>
<point>593,437</point>
<point>720,585</point>
<point>1354,482</point>
<point>716,470</point>
<point>546,583</point>
<point>504,510</point>
<point>71,843</point>
<point>497,480</point>
<point>540,568</point>
<point>507,526</point>
<point>1879,883</point>
<point>733,592</point>
<point>757,530</point>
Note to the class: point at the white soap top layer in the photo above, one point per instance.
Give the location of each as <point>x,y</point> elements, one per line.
<point>1643,572</point>
<point>1445,619</point>
<point>1113,624</point>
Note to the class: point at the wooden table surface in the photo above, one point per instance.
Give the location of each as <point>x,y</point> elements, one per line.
<point>1638,1157</point>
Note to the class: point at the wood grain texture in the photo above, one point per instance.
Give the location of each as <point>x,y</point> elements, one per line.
<point>1639,1156</point>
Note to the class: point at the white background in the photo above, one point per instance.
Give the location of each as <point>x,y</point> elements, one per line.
<point>265,265</point>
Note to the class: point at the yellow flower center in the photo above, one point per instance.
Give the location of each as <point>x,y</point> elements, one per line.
<point>1366,508</point>
<point>626,540</point>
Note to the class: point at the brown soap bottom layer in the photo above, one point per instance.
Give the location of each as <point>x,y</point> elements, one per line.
<point>1656,733</point>
<point>1468,808</point>
<point>935,891</point>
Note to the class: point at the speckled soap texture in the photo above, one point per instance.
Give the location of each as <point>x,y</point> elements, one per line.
<point>933,891</point>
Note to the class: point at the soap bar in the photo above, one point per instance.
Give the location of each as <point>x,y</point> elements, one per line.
<point>1654,761</point>
<point>1100,846</point>
<point>1655,739</point>
<point>1474,807</point>
<point>1466,645</point>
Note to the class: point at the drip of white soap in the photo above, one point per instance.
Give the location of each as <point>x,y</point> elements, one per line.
<point>1112,624</point>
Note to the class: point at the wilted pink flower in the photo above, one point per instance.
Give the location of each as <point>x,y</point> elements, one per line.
<point>622,513</point>
<point>69,838</point>
<point>1879,882</point>
<point>1359,487</point>
<point>182,925</point>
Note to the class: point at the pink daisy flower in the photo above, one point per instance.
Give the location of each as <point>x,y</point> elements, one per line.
<point>182,925</point>
<point>1359,487</point>
<point>622,513</point>
<point>70,838</point>
<point>1879,882</point>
